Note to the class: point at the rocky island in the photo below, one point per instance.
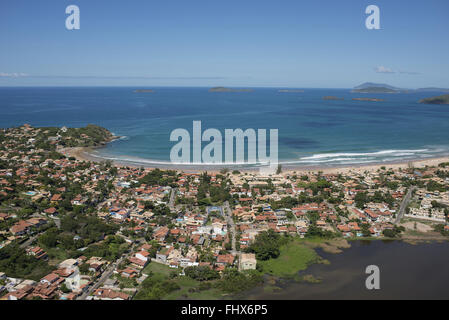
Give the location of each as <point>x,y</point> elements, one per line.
<point>224,89</point>
<point>443,99</point>
<point>143,91</point>
<point>367,99</point>
<point>332,98</point>
<point>375,90</point>
<point>291,90</point>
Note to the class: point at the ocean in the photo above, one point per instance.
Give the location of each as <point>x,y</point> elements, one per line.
<point>312,131</point>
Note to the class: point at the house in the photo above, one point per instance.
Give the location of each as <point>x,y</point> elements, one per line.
<point>20,228</point>
<point>129,273</point>
<point>108,294</point>
<point>73,281</point>
<point>37,252</point>
<point>138,263</point>
<point>56,198</point>
<point>160,234</point>
<point>51,211</point>
<point>18,294</point>
<point>372,215</point>
<point>248,261</point>
<point>225,259</point>
<point>68,264</point>
<point>162,255</point>
<point>50,279</point>
<point>143,255</point>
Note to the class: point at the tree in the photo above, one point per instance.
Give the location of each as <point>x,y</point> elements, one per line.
<point>201,273</point>
<point>365,229</point>
<point>266,245</point>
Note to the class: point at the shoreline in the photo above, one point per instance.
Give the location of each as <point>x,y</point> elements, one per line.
<point>84,154</point>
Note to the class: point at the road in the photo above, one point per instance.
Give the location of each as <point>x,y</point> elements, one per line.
<point>28,242</point>
<point>106,274</point>
<point>228,216</point>
<point>171,203</point>
<point>404,205</point>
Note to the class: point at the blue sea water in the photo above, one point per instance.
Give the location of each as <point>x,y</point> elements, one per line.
<point>312,131</point>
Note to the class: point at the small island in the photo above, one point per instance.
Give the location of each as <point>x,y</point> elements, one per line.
<point>332,98</point>
<point>443,99</point>
<point>375,90</point>
<point>224,89</point>
<point>368,99</point>
<point>143,91</point>
<point>291,90</point>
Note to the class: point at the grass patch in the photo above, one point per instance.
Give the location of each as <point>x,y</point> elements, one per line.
<point>158,269</point>
<point>56,255</point>
<point>189,288</point>
<point>294,257</point>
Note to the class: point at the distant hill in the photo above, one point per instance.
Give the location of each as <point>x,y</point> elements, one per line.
<point>432,89</point>
<point>372,87</point>
<point>375,85</point>
<point>444,99</point>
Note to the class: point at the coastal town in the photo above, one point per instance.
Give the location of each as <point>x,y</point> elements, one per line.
<point>72,229</point>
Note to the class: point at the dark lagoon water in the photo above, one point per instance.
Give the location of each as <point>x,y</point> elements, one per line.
<point>312,131</point>
<point>406,272</point>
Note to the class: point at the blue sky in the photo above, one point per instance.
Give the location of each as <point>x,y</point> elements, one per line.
<point>233,43</point>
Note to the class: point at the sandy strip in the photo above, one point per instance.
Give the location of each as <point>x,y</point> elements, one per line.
<point>85,154</point>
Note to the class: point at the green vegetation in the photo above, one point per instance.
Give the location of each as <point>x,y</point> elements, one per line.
<point>393,233</point>
<point>80,231</point>
<point>440,228</point>
<point>111,249</point>
<point>267,245</point>
<point>435,186</point>
<point>361,198</point>
<point>209,194</point>
<point>202,273</point>
<point>158,177</point>
<point>15,262</point>
<point>165,283</point>
<point>315,231</point>
<point>443,99</point>
<point>234,281</point>
<point>294,257</point>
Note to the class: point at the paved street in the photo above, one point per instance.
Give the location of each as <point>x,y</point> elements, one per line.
<point>404,205</point>
<point>171,203</point>
<point>228,216</point>
<point>106,274</point>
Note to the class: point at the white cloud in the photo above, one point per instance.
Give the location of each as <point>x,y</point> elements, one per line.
<point>12,75</point>
<point>382,69</point>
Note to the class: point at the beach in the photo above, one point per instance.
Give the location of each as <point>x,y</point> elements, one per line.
<point>85,154</point>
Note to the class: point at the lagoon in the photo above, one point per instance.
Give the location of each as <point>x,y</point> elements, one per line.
<point>407,271</point>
